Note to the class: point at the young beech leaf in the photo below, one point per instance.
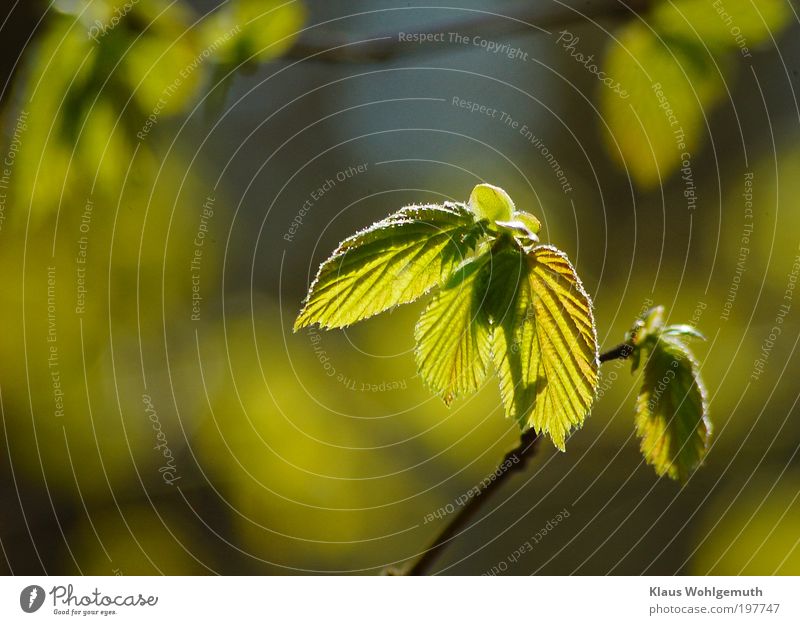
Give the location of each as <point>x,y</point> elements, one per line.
<point>392,262</point>
<point>671,409</point>
<point>531,222</point>
<point>544,344</point>
<point>453,333</point>
<point>683,331</point>
<point>491,203</point>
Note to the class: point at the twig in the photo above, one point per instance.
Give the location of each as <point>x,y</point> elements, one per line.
<point>530,18</point>
<point>621,351</point>
<point>515,461</point>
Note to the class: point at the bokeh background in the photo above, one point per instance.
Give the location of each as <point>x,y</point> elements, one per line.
<point>174,172</point>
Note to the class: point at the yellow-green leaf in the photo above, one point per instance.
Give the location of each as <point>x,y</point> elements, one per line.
<point>661,124</point>
<point>531,222</point>
<point>263,29</point>
<point>163,66</point>
<point>736,24</point>
<point>491,203</point>
<point>544,344</point>
<point>452,336</point>
<point>671,409</point>
<point>392,262</point>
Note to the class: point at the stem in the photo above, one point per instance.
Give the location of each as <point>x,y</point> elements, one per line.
<point>621,351</point>
<point>387,46</point>
<point>515,461</point>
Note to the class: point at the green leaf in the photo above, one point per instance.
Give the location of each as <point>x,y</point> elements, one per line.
<point>491,203</point>
<point>453,333</point>
<point>241,29</point>
<point>163,67</point>
<point>544,345</point>
<point>671,410</point>
<point>523,227</point>
<point>683,331</point>
<point>674,51</point>
<point>671,82</point>
<point>729,23</point>
<point>531,222</point>
<point>394,261</point>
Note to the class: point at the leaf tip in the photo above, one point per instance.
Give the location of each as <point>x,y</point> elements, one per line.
<point>303,320</point>
<point>299,324</point>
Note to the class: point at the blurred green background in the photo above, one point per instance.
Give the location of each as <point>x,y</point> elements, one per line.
<point>174,172</point>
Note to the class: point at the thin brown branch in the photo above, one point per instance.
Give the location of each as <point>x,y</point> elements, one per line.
<point>621,351</point>
<point>515,461</point>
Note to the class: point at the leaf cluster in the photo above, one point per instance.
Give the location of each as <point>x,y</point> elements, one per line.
<point>503,302</point>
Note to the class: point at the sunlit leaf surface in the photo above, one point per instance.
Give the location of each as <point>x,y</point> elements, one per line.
<point>392,262</point>
<point>491,203</point>
<point>544,345</point>
<point>671,409</point>
<point>453,333</point>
